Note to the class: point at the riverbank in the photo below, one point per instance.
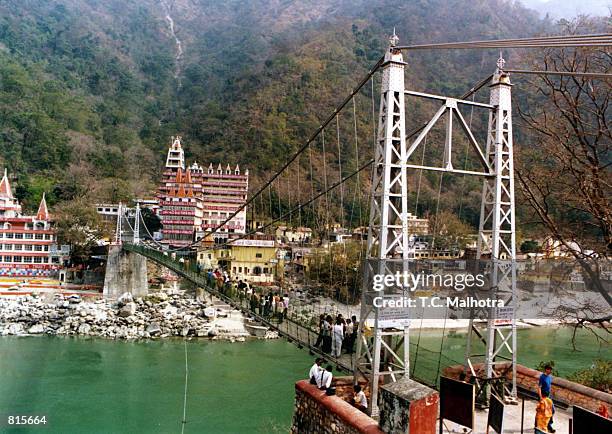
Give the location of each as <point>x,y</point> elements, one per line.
<point>157,315</point>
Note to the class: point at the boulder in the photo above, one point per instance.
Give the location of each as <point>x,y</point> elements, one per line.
<point>36,329</point>
<point>154,329</point>
<point>127,310</point>
<point>125,298</point>
<point>74,299</point>
<point>15,329</point>
<point>84,329</point>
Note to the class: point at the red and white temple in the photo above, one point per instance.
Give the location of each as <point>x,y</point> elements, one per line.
<point>28,246</point>
<point>194,201</point>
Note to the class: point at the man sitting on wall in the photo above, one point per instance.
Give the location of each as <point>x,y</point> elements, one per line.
<point>359,399</point>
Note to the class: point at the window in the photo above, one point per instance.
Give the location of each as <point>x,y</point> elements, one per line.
<point>258,255</point>
<point>27,247</point>
<point>27,259</point>
<point>19,236</point>
<point>8,247</point>
<point>37,260</point>
<point>55,260</point>
<point>38,236</point>
<point>16,258</point>
<point>38,248</point>
<point>9,235</point>
<point>28,236</point>
<point>8,258</point>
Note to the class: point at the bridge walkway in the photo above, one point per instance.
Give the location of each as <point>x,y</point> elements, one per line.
<point>293,331</point>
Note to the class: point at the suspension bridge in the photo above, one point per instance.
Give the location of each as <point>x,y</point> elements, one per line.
<point>324,183</point>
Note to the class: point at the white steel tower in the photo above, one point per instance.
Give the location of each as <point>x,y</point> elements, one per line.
<point>496,239</point>
<point>387,249</point>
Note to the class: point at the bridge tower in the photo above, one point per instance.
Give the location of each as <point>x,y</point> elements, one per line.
<point>136,238</point>
<point>387,246</point>
<point>119,228</point>
<point>496,239</point>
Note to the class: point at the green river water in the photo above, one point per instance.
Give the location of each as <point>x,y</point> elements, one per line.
<point>102,386</point>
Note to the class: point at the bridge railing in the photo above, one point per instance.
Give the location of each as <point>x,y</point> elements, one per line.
<point>289,327</point>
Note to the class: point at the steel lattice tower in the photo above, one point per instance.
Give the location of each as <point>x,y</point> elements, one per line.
<point>496,239</point>
<point>387,246</point>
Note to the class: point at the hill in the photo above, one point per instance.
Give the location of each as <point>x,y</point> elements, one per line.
<point>90,92</point>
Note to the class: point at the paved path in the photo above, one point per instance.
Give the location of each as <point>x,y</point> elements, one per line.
<point>512,420</point>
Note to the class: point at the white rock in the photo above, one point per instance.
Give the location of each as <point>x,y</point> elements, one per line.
<point>36,329</point>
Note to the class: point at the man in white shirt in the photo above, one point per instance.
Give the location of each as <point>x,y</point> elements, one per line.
<point>325,378</point>
<point>359,399</point>
<point>314,371</point>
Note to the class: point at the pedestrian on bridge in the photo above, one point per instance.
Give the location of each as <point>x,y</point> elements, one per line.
<point>327,331</point>
<point>348,335</point>
<point>545,390</point>
<point>320,336</point>
<point>544,413</point>
<point>337,337</point>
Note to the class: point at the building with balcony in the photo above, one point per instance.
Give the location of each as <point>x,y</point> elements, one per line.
<point>207,199</point>
<point>256,259</point>
<point>28,246</point>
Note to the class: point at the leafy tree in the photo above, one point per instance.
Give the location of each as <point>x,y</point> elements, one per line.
<point>79,225</point>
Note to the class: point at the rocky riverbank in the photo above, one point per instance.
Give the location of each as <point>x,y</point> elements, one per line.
<point>157,315</point>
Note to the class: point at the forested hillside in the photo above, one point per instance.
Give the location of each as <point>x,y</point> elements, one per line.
<point>89,97</point>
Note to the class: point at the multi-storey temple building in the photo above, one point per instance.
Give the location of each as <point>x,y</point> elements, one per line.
<point>27,243</point>
<point>194,201</point>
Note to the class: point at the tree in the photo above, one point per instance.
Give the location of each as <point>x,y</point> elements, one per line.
<point>151,221</point>
<point>78,224</point>
<point>530,246</point>
<point>565,177</point>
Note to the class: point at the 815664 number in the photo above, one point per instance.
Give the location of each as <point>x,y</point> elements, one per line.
<point>27,420</point>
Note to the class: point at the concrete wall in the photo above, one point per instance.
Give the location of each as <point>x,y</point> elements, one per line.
<point>125,272</point>
<point>317,413</point>
<point>563,390</point>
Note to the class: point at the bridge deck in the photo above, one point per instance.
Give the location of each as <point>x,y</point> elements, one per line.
<point>293,331</point>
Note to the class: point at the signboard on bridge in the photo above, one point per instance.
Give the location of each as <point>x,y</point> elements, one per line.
<point>503,317</point>
<point>393,317</point>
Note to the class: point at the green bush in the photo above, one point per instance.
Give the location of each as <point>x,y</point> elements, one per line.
<point>598,376</point>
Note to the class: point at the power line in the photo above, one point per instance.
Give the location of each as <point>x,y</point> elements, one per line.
<point>568,73</point>
<point>595,40</point>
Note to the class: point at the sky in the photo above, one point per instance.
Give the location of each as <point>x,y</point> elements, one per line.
<point>570,8</point>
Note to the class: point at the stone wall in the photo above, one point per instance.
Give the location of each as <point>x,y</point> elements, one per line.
<point>317,413</point>
<point>407,406</point>
<point>125,272</point>
<point>564,391</point>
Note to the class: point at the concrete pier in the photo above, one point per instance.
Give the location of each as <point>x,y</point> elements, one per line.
<point>125,272</point>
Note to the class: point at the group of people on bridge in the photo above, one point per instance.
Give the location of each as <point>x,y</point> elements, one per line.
<point>336,335</point>
<point>267,304</point>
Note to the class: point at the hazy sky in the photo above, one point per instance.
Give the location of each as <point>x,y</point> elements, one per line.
<point>570,8</point>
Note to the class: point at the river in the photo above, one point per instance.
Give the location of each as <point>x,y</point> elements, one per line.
<point>102,386</point>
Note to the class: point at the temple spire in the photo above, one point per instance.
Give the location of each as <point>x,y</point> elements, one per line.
<point>5,186</point>
<point>43,211</point>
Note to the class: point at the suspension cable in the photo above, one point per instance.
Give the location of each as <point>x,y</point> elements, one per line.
<point>310,201</point>
<point>308,142</point>
<point>602,40</point>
